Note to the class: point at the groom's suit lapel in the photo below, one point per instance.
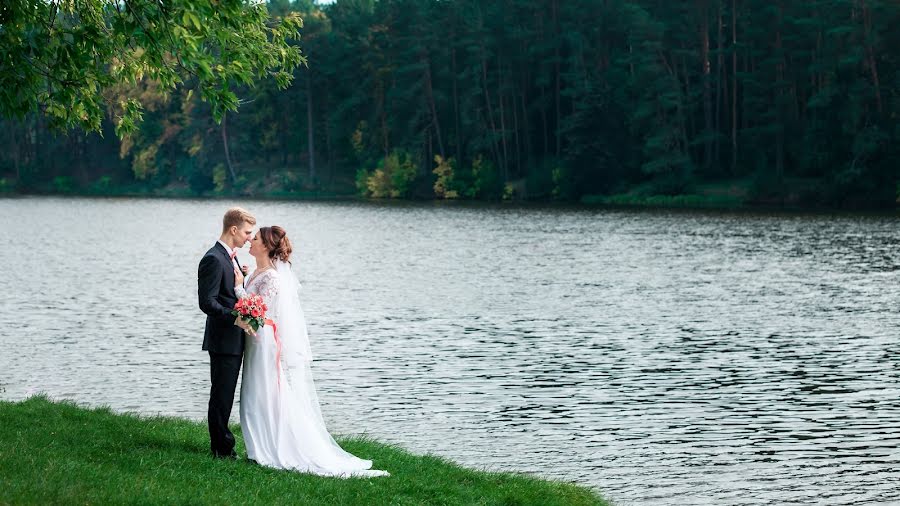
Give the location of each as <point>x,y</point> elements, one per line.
<point>229,271</point>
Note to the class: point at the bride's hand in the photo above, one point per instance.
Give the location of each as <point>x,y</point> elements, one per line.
<point>245,326</point>
<point>238,278</point>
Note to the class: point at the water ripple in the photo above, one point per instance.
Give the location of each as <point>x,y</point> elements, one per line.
<point>661,357</point>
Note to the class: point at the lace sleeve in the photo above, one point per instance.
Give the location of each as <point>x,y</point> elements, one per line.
<point>267,286</point>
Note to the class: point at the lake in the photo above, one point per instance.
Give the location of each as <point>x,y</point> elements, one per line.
<point>660,357</point>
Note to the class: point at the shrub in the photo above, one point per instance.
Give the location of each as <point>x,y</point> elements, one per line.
<point>445,185</point>
<point>219,178</point>
<point>102,185</point>
<point>486,181</point>
<point>402,171</point>
<point>62,184</point>
<point>200,182</point>
<point>392,178</point>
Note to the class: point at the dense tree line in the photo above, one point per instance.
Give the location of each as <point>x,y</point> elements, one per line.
<point>767,100</point>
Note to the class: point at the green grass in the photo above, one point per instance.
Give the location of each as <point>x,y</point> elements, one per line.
<point>722,195</point>
<point>60,453</point>
<point>686,201</point>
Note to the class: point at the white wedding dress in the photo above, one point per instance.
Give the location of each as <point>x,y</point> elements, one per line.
<point>280,415</point>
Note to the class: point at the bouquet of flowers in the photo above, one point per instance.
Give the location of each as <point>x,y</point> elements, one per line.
<point>252,310</point>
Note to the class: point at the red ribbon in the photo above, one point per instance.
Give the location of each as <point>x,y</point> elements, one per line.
<point>277,350</point>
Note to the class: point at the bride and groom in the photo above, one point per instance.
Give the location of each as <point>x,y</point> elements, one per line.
<point>280,416</point>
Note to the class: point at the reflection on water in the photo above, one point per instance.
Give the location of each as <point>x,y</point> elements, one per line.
<point>660,357</point>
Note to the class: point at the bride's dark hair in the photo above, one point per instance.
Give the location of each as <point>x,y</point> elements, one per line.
<point>276,241</point>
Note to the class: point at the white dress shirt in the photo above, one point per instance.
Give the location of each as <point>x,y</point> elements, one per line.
<point>230,251</point>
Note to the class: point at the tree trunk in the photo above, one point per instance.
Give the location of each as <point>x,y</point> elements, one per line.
<point>430,96</point>
<point>285,149</point>
<point>734,66</point>
<point>16,147</point>
<point>329,145</point>
<point>529,149</point>
<point>544,120</point>
<point>36,140</point>
<point>425,167</point>
<point>456,107</point>
<point>225,146</point>
<point>779,100</point>
<point>518,147</point>
<point>707,85</point>
<point>310,128</point>
<point>630,61</point>
<point>720,71</point>
<point>502,120</point>
<point>870,53</point>
<point>558,87</point>
<point>680,109</point>
<point>385,135</point>
<point>490,111</point>
<point>689,129</point>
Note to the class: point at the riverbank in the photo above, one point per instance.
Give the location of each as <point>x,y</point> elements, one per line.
<point>804,195</point>
<point>791,194</point>
<point>60,453</point>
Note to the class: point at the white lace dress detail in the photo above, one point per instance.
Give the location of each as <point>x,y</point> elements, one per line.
<point>264,283</point>
<point>280,415</point>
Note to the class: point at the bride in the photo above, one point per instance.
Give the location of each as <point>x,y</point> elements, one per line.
<point>280,415</point>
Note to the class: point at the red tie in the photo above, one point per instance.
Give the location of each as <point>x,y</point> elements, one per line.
<point>233,254</point>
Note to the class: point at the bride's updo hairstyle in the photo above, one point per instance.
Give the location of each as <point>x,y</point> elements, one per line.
<point>275,240</point>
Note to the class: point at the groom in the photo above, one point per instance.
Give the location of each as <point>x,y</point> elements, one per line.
<point>222,339</point>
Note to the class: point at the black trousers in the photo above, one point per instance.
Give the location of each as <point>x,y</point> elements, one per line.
<point>224,371</point>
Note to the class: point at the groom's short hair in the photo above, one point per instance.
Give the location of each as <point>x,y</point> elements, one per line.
<point>235,217</point>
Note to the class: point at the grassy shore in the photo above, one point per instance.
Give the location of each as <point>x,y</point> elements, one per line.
<point>60,453</point>
<point>723,195</point>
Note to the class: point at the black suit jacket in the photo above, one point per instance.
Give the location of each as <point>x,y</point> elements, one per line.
<point>215,291</point>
